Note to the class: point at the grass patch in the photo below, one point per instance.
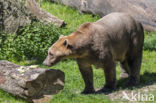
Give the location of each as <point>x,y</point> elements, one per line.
<point>71,16</point>
<point>73,81</point>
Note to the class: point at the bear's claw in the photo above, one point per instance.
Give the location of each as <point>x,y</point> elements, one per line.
<point>105,90</point>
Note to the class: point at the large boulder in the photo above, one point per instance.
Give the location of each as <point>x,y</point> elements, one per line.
<point>142,10</point>
<point>13,14</point>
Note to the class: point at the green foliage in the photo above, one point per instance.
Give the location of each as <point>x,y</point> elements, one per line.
<point>31,42</point>
<point>150,41</point>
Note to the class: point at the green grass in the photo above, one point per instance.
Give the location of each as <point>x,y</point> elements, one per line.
<point>73,80</point>
<point>70,16</point>
<point>7,98</point>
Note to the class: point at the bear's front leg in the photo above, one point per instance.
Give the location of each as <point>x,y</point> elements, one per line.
<point>87,74</point>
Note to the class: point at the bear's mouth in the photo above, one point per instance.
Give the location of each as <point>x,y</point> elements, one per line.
<point>55,61</point>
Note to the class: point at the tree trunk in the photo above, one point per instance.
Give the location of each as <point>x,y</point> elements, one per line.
<point>13,15</point>
<point>30,83</point>
<point>43,15</point>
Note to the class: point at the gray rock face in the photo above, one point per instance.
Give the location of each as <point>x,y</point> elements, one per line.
<point>142,10</point>
<point>13,15</point>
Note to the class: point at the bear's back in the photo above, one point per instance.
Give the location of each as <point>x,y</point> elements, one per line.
<point>113,33</point>
<point>117,21</point>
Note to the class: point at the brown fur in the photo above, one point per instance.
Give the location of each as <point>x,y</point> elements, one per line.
<point>115,37</point>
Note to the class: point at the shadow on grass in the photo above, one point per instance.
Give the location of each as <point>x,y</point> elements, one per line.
<point>146,79</point>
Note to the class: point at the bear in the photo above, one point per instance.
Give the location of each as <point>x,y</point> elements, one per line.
<point>117,37</point>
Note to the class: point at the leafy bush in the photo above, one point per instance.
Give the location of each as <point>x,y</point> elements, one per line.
<point>30,42</point>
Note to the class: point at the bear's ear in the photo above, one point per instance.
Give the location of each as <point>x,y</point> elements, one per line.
<point>61,36</point>
<point>67,45</point>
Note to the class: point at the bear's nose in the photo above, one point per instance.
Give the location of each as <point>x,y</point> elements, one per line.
<point>47,64</point>
<point>44,62</point>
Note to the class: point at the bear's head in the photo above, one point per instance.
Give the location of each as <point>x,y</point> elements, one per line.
<point>59,50</point>
<point>72,46</point>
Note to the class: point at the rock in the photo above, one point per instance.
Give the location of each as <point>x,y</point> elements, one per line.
<point>13,14</point>
<point>142,10</point>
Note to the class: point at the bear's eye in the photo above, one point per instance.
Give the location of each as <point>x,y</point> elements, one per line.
<point>65,43</point>
<point>51,54</point>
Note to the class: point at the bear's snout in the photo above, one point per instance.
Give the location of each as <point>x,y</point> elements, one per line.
<point>49,61</point>
<point>46,62</point>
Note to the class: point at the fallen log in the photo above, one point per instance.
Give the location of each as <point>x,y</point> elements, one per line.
<point>43,15</point>
<point>30,83</point>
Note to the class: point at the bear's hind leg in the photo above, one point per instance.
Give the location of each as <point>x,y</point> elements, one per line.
<point>124,69</point>
<point>87,74</point>
<point>135,56</point>
<point>135,65</point>
<point>110,76</point>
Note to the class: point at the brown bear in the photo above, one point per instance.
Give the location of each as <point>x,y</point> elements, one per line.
<point>115,37</point>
